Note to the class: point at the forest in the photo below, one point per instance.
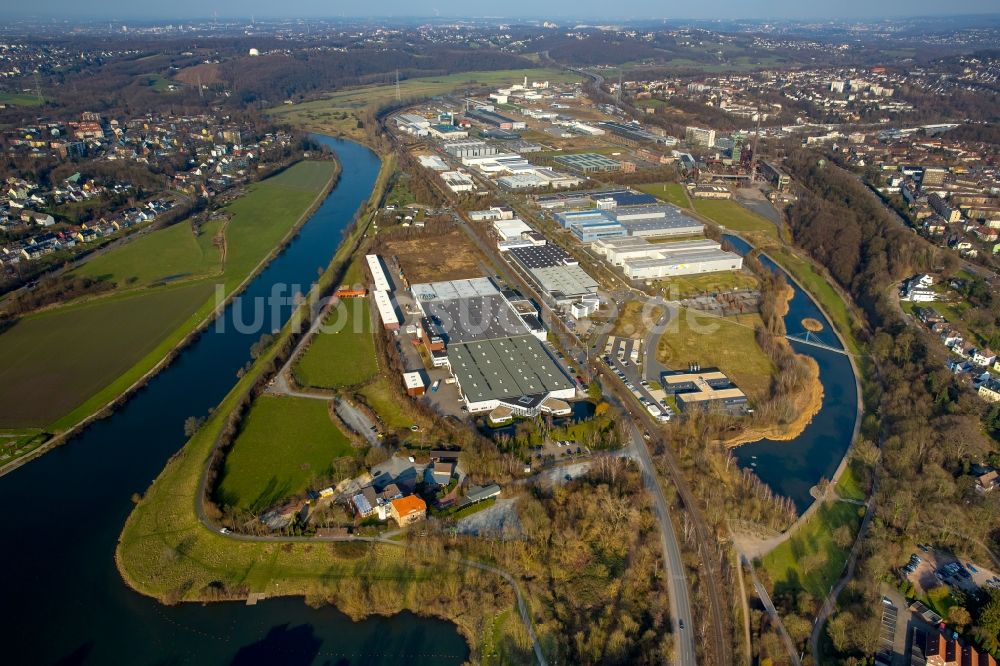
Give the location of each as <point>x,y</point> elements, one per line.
<point>929,427</point>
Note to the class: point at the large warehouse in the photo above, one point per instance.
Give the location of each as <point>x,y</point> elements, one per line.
<point>586,163</point>
<point>642,260</point>
<point>498,363</point>
<point>657,221</point>
<point>555,273</point>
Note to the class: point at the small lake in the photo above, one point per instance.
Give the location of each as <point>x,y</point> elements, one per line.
<point>792,467</point>
<point>63,601</point>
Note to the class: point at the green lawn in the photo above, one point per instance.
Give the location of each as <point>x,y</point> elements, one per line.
<point>378,394</point>
<point>18,99</point>
<point>342,352</point>
<point>849,485</point>
<point>62,365</point>
<point>811,560</point>
<point>728,343</point>
<point>670,192</point>
<point>735,217</point>
<point>164,255</point>
<point>159,83</point>
<point>286,443</point>
<point>52,362</point>
<point>684,286</point>
<point>264,216</point>
<point>340,112</point>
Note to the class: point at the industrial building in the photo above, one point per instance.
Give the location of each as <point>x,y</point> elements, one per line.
<point>445,132</point>
<point>467,310</point>
<point>485,116</point>
<point>632,134</point>
<point>659,221</point>
<point>707,390</point>
<point>557,275</point>
<point>641,260</point>
<point>699,136</point>
<point>711,192</point>
<point>458,181</point>
<point>514,233</point>
<point>471,148</point>
<point>386,310</point>
<point>380,280</point>
<point>433,162</point>
<point>536,178</point>
<point>516,373</point>
<point>414,124</point>
<point>414,383</point>
<point>586,163</point>
<point>497,361</point>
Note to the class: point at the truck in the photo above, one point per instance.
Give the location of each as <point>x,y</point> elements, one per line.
<point>653,409</point>
<point>435,385</point>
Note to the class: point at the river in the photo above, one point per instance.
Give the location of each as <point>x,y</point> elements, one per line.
<point>63,600</point>
<point>792,467</point>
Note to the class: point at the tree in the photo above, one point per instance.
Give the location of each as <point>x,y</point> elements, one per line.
<point>959,616</point>
<point>191,425</point>
<point>988,626</point>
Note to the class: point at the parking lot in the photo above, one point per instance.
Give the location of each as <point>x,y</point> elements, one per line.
<point>624,357</point>
<point>929,567</point>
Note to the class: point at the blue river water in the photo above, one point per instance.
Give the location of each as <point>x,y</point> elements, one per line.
<point>792,467</point>
<point>63,601</point>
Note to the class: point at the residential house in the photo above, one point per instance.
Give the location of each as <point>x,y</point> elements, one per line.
<point>407,510</point>
<point>990,390</point>
<point>988,481</point>
<point>365,502</point>
<point>984,357</point>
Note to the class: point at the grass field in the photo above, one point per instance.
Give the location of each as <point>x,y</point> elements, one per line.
<point>735,217</point>
<point>811,560</point>
<point>378,394</point>
<point>61,365</point>
<point>728,343</point>
<point>342,353</point>
<point>340,112</point>
<point>51,362</point>
<point>634,320</point>
<point>262,218</point>
<point>18,99</point>
<point>285,444</point>
<point>849,485</point>
<point>670,192</point>
<point>164,551</point>
<point>167,254</point>
<point>684,286</point>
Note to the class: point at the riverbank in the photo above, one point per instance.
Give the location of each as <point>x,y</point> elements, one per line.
<point>806,403</point>
<point>170,551</point>
<point>162,355</point>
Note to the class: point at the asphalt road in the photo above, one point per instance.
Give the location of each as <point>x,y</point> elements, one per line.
<point>680,601</point>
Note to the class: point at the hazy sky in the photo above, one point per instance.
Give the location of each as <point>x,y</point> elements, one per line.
<point>609,11</point>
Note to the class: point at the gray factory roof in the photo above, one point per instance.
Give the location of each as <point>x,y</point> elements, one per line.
<point>505,368</point>
<point>684,257</point>
<point>540,256</point>
<point>565,281</point>
<point>452,289</point>
<point>659,211</point>
<point>475,318</point>
<point>649,226</point>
